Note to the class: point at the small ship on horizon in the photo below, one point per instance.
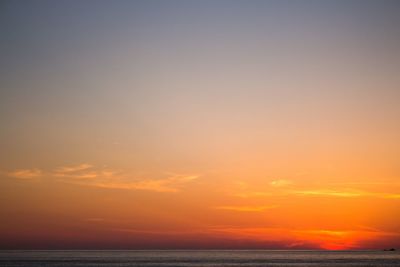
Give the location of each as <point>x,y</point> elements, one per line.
<point>389,249</point>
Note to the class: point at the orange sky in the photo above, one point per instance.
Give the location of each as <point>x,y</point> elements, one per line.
<point>208,124</point>
<point>87,206</point>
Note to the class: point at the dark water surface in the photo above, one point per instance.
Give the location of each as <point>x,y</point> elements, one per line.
<point>198,258</point>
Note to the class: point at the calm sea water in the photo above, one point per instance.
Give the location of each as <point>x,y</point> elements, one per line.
<point>198,258</point>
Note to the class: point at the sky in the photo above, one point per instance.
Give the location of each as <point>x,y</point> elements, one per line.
<point>199,124</point>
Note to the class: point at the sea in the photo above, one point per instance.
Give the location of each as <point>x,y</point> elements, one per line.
<point>197,258</point>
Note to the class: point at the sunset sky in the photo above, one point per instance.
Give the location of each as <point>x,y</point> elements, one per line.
<point>199,124</point>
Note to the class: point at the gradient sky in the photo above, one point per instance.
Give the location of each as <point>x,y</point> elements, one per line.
<point>199,124</point>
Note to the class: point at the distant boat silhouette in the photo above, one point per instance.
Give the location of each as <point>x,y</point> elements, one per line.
<point>390,249</point>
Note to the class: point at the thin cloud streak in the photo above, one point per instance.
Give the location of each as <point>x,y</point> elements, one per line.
<point>25,174</point>
<point>340,193</point>
<point>75,168</point>
<point>171,184</point>
<point>81,171</point>
<point>351,194</point>
<point>88,175</point>
<point>246,208</point>
<point>281,183</point>
<point>84,175</point>
<point>333,193</point>
<point>162,233</point>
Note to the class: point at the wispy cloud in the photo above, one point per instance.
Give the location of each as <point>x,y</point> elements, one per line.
<point>347,193</point>
<point>88,175</point>
<point>246,208</point>
<point>25,173</point>
<point>334,193</point>
<point>250,194</point>
<point>84,171</point>
<point>281,190</point>
<point>281,183</point>
<point>170,184</point>
<point>166,232</point>
<point>390,196</point>
<point>64,170</point>
<point>85,175</point>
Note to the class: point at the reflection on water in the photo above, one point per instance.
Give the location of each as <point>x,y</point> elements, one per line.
<point>198,258</point>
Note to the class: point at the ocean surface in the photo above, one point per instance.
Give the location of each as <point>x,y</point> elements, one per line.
<point>198,258</point>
